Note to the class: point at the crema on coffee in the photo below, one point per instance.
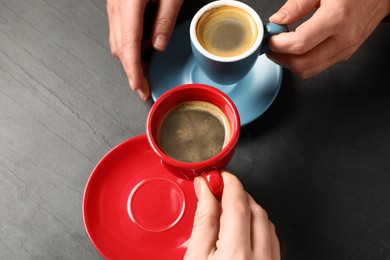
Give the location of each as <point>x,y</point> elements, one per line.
<point>194,131</point>
<point>226,31</point>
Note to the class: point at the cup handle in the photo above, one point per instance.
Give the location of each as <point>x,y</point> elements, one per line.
<point>214,180</point>
<point>271,29</point>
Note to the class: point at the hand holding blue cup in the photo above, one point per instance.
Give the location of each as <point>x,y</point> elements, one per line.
<point>227,36</point>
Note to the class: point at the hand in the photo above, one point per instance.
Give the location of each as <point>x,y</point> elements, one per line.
<point>236,228</point>
<point>125,19</point>
<point>332,34</point>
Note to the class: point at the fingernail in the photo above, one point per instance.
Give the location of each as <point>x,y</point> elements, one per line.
<point>131,84</point>
<point>197,186</point>
<point>278,17</point>
<point>160,43</point>
<point>141,94</point>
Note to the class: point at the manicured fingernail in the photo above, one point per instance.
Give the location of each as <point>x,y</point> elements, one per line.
<point>142,95</point>
<point>197,186</point>
<point>160,43</point>
<point>131,85</point>
<point>278,17</point>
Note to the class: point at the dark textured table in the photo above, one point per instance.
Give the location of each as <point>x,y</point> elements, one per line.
<point>318,160</point>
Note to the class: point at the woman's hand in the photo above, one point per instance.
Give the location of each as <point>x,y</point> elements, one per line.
<point>126,19</point>
<point>332,34</point>
<point>236,228</point>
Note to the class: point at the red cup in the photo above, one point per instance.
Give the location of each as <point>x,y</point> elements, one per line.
<point>209,169</point>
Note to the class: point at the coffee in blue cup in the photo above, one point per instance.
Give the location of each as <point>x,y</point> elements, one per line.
<point>227,36</point>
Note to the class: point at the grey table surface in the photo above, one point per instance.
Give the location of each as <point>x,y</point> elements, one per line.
<point>318,160</point>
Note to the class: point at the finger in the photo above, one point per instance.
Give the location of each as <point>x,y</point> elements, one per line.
<point>131,36</point>
<point>275,248</point>
<point>316,60</point>
<point>114,26</point>
<point>165,22</point>
<point>260,233</point>
<point>144,90</point>
<point>305,37</point>
<point>137,81</point>
<point>206,223</point>
<point>293,10</point>
<point>234,236</point>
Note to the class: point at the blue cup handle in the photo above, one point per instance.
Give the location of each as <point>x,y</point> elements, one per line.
<point>271,29</point>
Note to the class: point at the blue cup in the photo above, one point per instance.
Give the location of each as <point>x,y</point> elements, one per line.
<point>230,70</point>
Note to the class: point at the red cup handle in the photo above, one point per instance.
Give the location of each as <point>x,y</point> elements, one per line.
<point>214,180</point>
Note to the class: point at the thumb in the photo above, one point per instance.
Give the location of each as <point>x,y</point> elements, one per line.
<point>206,223</point>
<point>293,10</point>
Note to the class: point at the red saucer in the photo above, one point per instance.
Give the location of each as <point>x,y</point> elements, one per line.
<point>133,208</point>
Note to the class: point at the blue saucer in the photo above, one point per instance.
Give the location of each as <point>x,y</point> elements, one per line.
<point>177,66</point>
